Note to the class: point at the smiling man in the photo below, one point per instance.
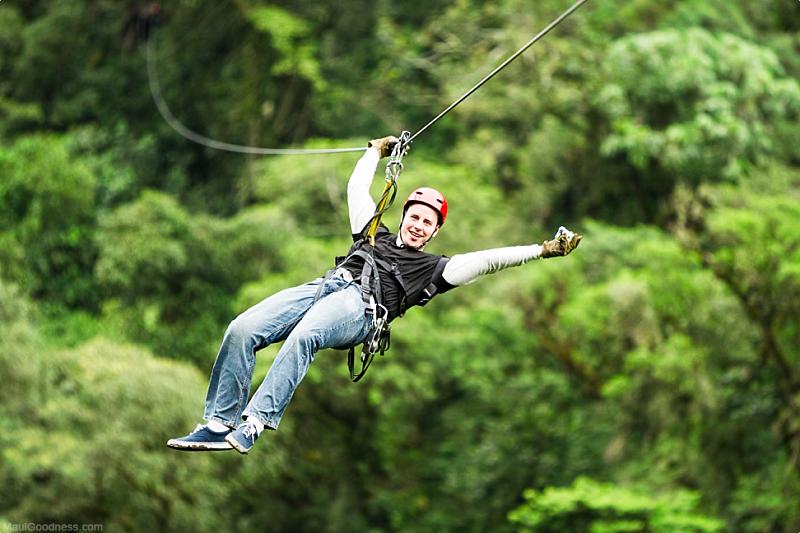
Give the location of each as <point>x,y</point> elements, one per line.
<point>373,284</point>
<point>421,222</point>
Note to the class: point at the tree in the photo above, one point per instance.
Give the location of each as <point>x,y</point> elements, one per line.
<point>747,237</point>
<point>168,275</point>
<point>83,441</point>
<point>689,106</point>
<point>47,220</point>
<point>587,505</point>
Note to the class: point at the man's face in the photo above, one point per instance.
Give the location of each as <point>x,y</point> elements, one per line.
<point>419,225</point>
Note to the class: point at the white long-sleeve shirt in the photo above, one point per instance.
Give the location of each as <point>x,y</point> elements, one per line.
<point>461,268</point>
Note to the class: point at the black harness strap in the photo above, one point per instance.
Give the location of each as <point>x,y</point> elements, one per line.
<point>371,281</point>
<point>328,275</point>
<point>431,290</point>
<point>378,339</point>
<point>371,292</point>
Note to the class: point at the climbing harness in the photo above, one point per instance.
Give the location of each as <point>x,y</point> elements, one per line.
<point>163,109</point>
<point>378,338</point>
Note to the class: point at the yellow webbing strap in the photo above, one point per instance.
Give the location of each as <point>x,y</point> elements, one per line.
<point>383,205</point>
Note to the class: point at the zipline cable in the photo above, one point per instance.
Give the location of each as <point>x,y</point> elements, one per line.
<point>395,165</point>
<point>177,125</point>
<point>511,58</point>
<point>155,91</point>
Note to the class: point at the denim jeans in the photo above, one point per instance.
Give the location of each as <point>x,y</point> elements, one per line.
<point>336,320</point>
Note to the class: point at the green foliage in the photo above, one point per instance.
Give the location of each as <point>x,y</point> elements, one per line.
<point>142,244</point>
<point>47,217</point>
<point>17,116</point>
<point>290,35</point>
<point>694,105</point>
<point>9,43</point>
<point>713,15</point>
<point>753,242</point>
<point>82,433</point>
<point>587,505</point>
<point>83,441</point>
<point>660,357</point>
<point>750,241</point>
<point>16,333</point>
<point>672,351</point>
<point>312,189</point>
<point>168,275</point>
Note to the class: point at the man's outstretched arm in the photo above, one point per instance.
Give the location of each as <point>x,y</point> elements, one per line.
<point>466,268</point>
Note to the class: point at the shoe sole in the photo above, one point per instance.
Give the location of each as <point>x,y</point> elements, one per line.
<point>198,446</point>
<point>236,446</point>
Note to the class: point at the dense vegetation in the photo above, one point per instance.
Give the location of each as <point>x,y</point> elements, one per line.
<point>648,382</point>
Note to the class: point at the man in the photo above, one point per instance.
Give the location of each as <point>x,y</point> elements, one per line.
<point>339,310</point>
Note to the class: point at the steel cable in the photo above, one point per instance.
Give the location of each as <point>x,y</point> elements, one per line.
<point>500,67</point>
<point>155,91</point>
<point>177,125</point>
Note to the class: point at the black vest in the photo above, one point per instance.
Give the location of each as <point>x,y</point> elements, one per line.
<point>408,277</point>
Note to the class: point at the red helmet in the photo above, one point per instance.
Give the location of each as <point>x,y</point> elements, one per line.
<point>430,197</point>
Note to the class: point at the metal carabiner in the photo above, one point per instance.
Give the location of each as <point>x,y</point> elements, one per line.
<point>395,164</point>
<point>377,331</point>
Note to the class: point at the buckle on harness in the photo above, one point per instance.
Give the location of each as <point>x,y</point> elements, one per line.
<point>343,273</point>
<point>377,341</point>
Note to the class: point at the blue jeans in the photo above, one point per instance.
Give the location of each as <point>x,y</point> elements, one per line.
<point>336,320</point>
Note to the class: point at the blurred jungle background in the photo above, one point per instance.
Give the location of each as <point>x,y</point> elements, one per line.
<point>648,382</point>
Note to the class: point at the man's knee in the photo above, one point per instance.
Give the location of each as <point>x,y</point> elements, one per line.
<point>234,328</point>
<point>240,329</point>
<point>308,337</point>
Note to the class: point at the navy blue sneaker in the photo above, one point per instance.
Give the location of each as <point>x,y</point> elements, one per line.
<point>243,437</point>
<point>201,439</point>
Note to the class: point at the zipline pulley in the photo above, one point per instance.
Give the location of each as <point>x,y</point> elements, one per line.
<point>393,169</point>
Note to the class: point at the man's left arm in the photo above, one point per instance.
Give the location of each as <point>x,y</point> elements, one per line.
<point>466,268</point>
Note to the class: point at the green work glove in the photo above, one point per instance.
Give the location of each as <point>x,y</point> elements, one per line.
<point>384,145</point>
<point>562,244</point>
